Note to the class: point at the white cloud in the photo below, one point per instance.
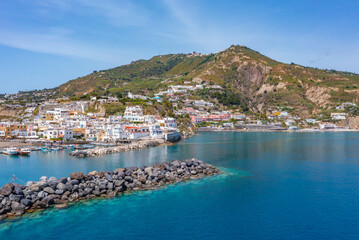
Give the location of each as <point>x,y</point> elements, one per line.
<point>117,13</point>
<point>54,43</point>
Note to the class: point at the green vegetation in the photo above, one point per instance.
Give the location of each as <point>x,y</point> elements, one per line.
<point>114,108</point>
<point>243,74</point>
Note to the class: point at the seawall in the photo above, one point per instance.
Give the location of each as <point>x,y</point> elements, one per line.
<point>16,199</point>
<point>117,149</point>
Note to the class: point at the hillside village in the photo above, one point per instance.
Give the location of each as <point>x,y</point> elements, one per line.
<point>166,114</point>
<point>174,95</point>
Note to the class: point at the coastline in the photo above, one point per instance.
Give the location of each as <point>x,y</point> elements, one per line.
<point>9,144</point>
<point>285,131</point>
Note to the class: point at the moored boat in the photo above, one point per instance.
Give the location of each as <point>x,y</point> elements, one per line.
<point>45,149</point>
<point>11,151</point>
<point>24,151</point>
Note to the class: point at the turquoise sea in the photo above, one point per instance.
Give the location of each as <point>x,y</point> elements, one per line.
<point>274,186</point>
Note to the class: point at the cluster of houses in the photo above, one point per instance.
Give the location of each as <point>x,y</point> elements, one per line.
<point>199,116</point>
<point>69,122</point>
<point>64,119</point>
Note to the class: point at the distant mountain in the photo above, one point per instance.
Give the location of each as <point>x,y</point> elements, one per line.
<point>251,79</point>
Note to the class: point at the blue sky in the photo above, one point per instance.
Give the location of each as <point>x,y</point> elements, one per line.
<point>44,43</point>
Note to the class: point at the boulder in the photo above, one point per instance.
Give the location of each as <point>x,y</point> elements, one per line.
<point>59,192</point>
<point>103,185</point>
<point>16,198</point>
<point>96,192</point>
<point>43,179</point>
<point>52,179</point>
<point>62,180</point>
<point>47,201</point>
<point>61,186</point>
<point>75,188</point>
<point>108,177</point>
<point>7,189</point>
<point>18,191</point>
<point>42,194</point>
<point>49,190</point>
<point>5,210</point>
<point>17,207</point>
<point>30,183</point>
<point>52,184</point>
<point>121,174</point>
<point>69,186</point>
<point>176,163</point>
<point>119,183</point>
<point>77,175</point>
<point>35,187</point>
<point>74,182</point>
<point>110,186</point>
<point>128,179</point>
<point>93,173</point>
<point>26,202</point>
<point>42,185</point>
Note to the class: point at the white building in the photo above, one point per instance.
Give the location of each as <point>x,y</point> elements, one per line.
<point>133,114</point>
<point>65,134</point>
<point>338,116</point>
<point>136,132</point>
<point>156,131</point>
<point>344,105</point>
<point>116,132</point>
<point>168,122</point>
<point>327,126</point>
<point>311,121</point>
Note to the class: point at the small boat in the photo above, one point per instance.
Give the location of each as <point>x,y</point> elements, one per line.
<point>45,149</point>
<point>55,149</point>
<point>11,151</point>
<point>88,146</point>
<point>24,151</point>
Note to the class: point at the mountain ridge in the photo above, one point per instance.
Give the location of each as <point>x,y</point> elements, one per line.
<point>260,82</point>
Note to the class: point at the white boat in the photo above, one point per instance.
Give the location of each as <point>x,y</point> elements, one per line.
<point>11,151</point>
<point>24,151</point>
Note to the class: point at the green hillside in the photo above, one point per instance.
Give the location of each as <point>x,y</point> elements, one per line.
<point>247,78</point>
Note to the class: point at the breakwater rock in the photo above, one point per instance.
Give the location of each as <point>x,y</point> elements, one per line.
<point>16,199</point>
<point>117,149</point>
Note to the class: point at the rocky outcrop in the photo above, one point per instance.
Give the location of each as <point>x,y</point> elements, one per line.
<point>117,149</point>
<point>16,199</point>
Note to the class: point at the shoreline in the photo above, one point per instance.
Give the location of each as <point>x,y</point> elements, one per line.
<point>9,144</point>
<point>284,131</point>
<point>146,143</point>
<point>17,200</point>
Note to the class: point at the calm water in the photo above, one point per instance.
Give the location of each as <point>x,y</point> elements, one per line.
<point>276,186</point>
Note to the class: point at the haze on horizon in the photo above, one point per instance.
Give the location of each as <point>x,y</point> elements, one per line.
<point>45,43</point>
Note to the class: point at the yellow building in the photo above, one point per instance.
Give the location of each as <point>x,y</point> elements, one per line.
<point>49,116</point>
<point>12,128</point>
<point>79,131</point>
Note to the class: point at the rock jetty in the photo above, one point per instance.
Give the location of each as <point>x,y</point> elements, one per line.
<point>117,149</point>
<point>16,199</point>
